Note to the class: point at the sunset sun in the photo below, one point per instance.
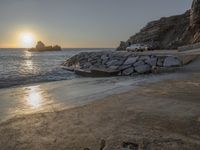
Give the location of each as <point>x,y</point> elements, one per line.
<point>27,39</point>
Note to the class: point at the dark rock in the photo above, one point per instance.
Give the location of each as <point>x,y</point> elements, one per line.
<point>130,146</point>
<point>143,68</point>
<point>160,61</point>
<point>128,71</point>
<point>114,62</point>
<point>131,60</point>
<point>139,63</point>
<point>123,45</point>
<point>40,47</point>
<point>171,62</point>
<point>123,67</point>
<point>152,61</point>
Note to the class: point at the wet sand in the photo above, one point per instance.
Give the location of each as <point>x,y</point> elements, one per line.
<point>153,116</point>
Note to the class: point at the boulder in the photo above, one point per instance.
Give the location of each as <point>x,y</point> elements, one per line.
<point>128,71</point>
<point>145,58</point>
<point>152,61</point>
<point>131,60</point>
<point>171,62</point>
<point>114,62</point>
<point>139,63</point>
<point>123,67</point>
<point>160,61</point>
<point>143,68</point>
<point>104,59</point>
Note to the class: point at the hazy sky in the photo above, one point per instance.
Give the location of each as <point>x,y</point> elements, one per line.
<point>81,23</point>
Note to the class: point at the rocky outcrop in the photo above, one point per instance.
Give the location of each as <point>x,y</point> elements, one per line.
<point>40,47</point>
<point>195,13</point>
<point>107,63</point>
<point>169,32</point>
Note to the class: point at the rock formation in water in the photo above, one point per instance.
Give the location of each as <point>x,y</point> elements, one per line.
<point>169,32</point>
<point>40,47</point>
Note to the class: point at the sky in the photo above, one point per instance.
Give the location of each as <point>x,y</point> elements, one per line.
<point>80,23</point>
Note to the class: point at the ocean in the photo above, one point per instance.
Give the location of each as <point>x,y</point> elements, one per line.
<point>20,67</point>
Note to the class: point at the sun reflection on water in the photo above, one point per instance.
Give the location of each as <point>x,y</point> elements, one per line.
<point>28,63</point>
<point>34,97</point>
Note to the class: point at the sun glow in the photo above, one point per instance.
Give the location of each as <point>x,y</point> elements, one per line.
<point>27,39</point>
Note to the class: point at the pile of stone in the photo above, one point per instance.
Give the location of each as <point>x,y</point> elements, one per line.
<point>118,63</point>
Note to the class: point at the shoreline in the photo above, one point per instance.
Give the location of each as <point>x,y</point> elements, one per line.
<point>167,119</point>
<point>161,114</point>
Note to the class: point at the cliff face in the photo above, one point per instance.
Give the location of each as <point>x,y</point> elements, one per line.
<point>169,32</point>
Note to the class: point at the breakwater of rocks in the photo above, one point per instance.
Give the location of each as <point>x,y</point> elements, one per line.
<point>109,63</point>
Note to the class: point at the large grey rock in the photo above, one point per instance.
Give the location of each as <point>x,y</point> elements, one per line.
<point>123,67</point>
<point>113,67</point>
<point>114,62</point>
<point>145,58</point>
<point>152,61</point>
<point>104,59</point>
<point>160,61</point>
<point>128,71</point>
<point>131,60</point>
<point>87,65</point>
<point>143,68</point>
<point>171,62</point>
<point>139,63</point>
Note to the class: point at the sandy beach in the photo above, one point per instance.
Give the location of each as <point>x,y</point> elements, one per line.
<point>160,115</point>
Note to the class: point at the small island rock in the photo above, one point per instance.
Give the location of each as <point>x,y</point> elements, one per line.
<point>40,47</point>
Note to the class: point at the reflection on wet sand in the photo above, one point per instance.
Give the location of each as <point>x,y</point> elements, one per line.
<point>34,97</point>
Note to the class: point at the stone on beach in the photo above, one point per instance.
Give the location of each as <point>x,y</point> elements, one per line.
<point>128,71</point>
<point>131,60</point>
<point>143,68</point>
<point>171,62</point>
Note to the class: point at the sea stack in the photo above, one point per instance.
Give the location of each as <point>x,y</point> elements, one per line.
<point>40,47</point>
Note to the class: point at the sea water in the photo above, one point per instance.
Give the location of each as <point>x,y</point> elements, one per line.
<point>18,66</point>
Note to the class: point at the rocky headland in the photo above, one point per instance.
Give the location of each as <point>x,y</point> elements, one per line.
<point>40,47</point>
<point>181,31</point>
<point>169,32</point>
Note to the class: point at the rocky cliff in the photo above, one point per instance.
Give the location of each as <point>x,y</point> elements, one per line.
<point>169,32</point>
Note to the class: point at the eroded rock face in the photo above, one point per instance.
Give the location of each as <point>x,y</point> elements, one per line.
<point>169,32</point>
<point>195,13</point>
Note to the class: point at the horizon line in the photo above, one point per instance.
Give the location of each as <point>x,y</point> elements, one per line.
<point>62,48</point>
